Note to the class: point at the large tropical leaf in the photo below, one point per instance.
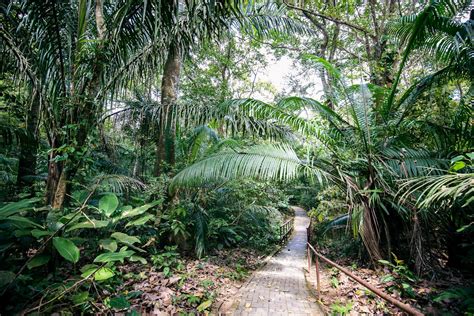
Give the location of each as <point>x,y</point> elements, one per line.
<point>262,162</point>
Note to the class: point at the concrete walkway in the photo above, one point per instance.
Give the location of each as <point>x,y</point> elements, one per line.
<point>279,288</point>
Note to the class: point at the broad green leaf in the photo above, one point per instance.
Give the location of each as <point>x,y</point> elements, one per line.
<point>387,278</point>
<point>457,158</point>
<point>88,267</point>
<point>89,224</point>
<point>108,204</point>
<point>53,222</point>
<point>385,262</point>
<point>204,305</point>
<point>103,274</point>
<point>114,256</point>
<point>80,298</point>
<point>140,221</point>
<point>66,248</point>
<point>38,233</point>
<point>108,244</point>
<point>124,238</point>
<point>38,261</point>
<point>138,210</point>
<point>22,220</point>
<point>22,232</point>
<point>80,196</point>
<point>333,71</point>
<point>88,272</point>
<point>124,208</point>
<point>119,302</point>
<point>138,258</point>
<point>16,207</point>
<point>6,277</point>
<point>458,165</point>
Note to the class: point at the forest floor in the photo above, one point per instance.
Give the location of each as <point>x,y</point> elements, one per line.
<point>198,286</point>
<point>242,282</point>
<point>342,295</point>
<point>232,282</point>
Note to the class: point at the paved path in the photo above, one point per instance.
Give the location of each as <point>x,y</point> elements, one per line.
<point>279,288</point>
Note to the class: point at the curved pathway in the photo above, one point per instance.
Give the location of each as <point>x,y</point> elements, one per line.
<point>279,288</point>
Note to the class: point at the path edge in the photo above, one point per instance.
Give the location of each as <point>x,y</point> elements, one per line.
<point>217,310</point>
<point>312,291</point>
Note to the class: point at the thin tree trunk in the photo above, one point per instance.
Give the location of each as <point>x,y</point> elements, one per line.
<point>55,185</point>
<point>323,74</point>
<point>165,144</point>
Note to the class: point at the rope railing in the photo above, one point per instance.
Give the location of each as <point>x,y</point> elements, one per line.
<point>310,249</point>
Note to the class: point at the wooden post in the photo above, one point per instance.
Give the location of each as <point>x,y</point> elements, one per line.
<point>405,307</point>
<point>316,263</point>
<point>309,261</point>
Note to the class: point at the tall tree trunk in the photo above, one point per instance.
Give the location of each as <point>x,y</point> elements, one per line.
<point>61,172</point>
<point>29,146</point>
<point>382,60</point>
<point>325,77</point>
<point>57,178</point>
<point>165,143</point>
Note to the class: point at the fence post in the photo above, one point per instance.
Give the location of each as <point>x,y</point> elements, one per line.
<point>309,260</point>
<point>316,263</point>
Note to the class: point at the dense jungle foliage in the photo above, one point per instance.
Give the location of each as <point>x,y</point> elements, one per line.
<point>140,135</point>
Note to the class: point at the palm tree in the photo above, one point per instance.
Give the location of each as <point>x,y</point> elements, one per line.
<point>362,158</point>
<point>368,148</point>
<point>75,55</point>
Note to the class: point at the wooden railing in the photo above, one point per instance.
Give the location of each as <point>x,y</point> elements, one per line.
<point>285,230</point>
<point>311,251</point>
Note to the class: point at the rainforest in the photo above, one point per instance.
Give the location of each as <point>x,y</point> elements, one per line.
<point>236,157</point>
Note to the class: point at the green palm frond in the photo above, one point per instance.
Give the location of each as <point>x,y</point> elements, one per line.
<point>408,162</point>
<point>330,68</point>
<point>422,29</point>
<point>252,108</point>
<point>362,114</point>
<point>265,20</point>
<point>264,162</point>
<point>199,136</point>
<point>339,222</point>
<point>249,109</point>
<point>413,93</point>
<point>299,103</point>
<point>117,183</point>
<point>244,117</point>
<point>448,189</point>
